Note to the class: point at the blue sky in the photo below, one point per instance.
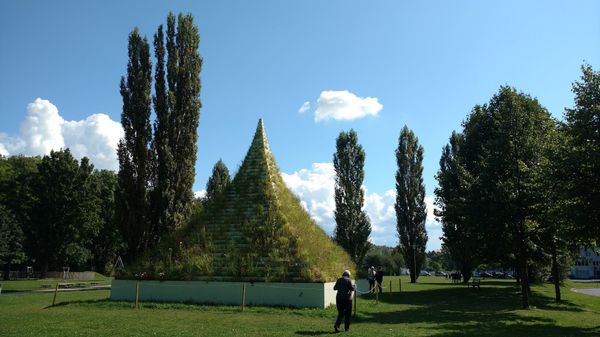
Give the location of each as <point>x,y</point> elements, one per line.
<point>422,63</point>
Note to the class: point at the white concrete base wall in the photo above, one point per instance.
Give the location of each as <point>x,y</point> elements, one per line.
<point>313,295</point>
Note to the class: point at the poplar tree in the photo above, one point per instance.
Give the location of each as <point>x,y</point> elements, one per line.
<point>177,105</point>
<point>411,211</point>
<point>134,148</point>
<point>352,227</point>
<point>218,181</point>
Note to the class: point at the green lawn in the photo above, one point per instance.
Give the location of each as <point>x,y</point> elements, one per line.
<point>433,307</point>
<point>47,283</point>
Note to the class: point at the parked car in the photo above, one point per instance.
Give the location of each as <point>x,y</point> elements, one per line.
<point>424,273</point>
<point>485,274</point>
<point>440,273</point>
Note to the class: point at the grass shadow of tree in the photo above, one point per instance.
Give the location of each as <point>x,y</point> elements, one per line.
<point>460,311</point>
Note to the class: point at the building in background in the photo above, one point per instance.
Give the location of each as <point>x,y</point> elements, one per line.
<point>587,265</point>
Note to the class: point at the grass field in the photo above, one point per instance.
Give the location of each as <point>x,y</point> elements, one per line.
<point>47,283</point>
<point>433,307</point>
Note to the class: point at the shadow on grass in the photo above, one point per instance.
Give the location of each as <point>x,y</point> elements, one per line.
<point>490,311</point>
<point>314,333</point>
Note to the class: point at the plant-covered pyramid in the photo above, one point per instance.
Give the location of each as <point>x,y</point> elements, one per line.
<point>258,230</point>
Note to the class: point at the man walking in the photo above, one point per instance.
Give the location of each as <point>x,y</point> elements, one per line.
<point>343,300</point>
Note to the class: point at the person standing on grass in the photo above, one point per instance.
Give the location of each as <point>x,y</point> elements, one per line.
<point>379,279</point>
<point>371,276</point>
<point>343,300</point>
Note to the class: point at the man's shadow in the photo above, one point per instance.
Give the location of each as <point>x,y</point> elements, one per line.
<point>314,333</point>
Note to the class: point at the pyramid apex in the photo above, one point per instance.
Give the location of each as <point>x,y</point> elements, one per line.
<point>260,143</point>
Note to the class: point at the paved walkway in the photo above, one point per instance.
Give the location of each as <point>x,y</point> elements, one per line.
<point>587,291</point>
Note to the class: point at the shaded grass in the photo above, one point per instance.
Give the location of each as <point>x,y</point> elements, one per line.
<point>432,307</point>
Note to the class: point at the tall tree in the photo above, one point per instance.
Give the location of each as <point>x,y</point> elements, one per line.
<point>452,196</point>
<point>411,211</point>
<point>177,106</point>
<point>61,237</point>
<point>218,181</point>
<point>11,241</point>
<point>513,158</point>
<point>352,227</point>
<point>107,241</point>
<point>18,184</point>
<point>133,150</point>
<point>583,154</point>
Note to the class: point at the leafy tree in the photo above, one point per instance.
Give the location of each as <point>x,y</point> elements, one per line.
<point>460,237</point>
<point>133,150</point>
<point>410,207</point>
<point>18,179</point>
<point>353,227</point>
<point>11,241</point>
<point>60,235</point>
<point>107,242</point>
<point>512,155</point>
<point>218,181</point>
<point>388,258</point>
<point>583,155</point>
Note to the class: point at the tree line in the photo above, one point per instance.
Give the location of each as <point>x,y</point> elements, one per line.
<point>520,188</point>
<point>56,211</point>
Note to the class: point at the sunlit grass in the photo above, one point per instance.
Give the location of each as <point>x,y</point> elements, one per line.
<point>432,307</point>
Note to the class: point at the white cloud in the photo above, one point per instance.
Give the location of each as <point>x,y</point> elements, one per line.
<point>305,107</point>
<point>199,194</point>
<point>44,129</point>
<point>344,105</point>
<point>3,150</point>
<point>315,188</point>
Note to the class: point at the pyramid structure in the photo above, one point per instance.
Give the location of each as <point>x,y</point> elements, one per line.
<point>258,230</point>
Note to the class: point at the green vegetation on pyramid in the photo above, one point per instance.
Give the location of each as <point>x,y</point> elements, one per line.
<point>256,230</point>
<point>259,230</point>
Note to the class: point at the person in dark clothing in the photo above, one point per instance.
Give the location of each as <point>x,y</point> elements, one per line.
<point>379,279</point>
<point>343,300</point>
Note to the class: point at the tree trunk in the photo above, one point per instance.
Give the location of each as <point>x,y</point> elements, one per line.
<point>44,270</point>
<point>6,275</point>
<point>555,276</point>
<point>525,291</point>
<point>413,269</point>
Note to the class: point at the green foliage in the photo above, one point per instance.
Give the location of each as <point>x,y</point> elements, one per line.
<point>11,240</point>
<point>411,212</point>
<point>135,158</point>
<point>491,191</point>
<point>388,258</point>
<point>453,197</point>
<point>217,182</point>
<point>352,225</point>
<point>582,157</point>
<point>177,107</point>
<point>106,241</point>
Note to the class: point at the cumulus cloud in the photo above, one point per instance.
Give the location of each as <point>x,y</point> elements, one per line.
<point>344,105</point>
<point>44,130</point>
<point>200,194</point>
<point>305,107</point>
<point>315,188</point>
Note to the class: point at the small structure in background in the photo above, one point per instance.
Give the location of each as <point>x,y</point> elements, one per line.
<point>587,265</point>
